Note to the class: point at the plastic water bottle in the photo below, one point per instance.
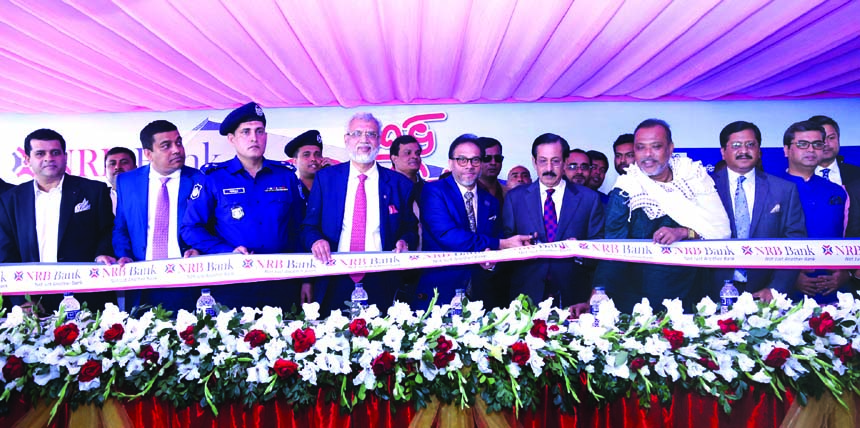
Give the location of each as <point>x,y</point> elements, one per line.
<point>359,299</point>
<point>457,302</point>
<point>71,306</point>
<point>206,303</point>
<point>728,296</point>
<point>597,298</point>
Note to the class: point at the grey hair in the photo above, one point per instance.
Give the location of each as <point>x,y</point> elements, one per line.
<point>365,116</point>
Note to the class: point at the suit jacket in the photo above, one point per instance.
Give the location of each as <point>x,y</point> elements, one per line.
<point>849,172</point>
<point>581,217</point>
<point>132,210</point>
<point>82,236</point>
<point>767,221</point>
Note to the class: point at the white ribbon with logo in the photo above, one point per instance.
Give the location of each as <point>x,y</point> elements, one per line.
<point>45,278</point>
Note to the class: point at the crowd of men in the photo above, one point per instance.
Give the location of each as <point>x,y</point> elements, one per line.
<point>253,205</point>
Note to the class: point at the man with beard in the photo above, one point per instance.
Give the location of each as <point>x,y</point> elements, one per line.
<point>117,161</point>
<point>459,215</point>
<point>577,167</point>
<point>833,167</point>
<point>553,210</point>
<point>518,176</point>
<point>624,156</point>
<point>599,167</point>
<point>664,200</point>
<point>759,206</point>
<point>359,206</point>
<point>247,205</point>
<point>823,205</point>
<point>151,203</point>
<point>306,149</point>
<point>491,167</point>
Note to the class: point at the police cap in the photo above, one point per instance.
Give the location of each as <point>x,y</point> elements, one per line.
<point>307,138</point>
<point>247,113</point>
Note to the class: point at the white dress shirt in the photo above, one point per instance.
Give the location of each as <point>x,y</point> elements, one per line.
<point>557,198</point>
<point>835,176</point>
<point>373,238</point>
<point>749,189</point>
<point>154,189</point>
<point>47,220</point>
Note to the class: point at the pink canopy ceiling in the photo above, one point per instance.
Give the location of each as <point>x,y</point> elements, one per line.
<point>79,56</point>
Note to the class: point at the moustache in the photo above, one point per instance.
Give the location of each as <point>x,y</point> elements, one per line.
<point>549,174</point>
<point>743,156</point>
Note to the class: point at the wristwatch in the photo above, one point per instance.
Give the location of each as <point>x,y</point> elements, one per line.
<point>691,234</point>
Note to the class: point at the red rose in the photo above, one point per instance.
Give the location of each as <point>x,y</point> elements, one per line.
<point>358,327</point>
<point>845,353</point>
<point>539,329</point>
<point>66,334</point>
<point>303,339</point>
<point>285,368</point>
<point>521,353</point>
<point>444,345</point>
<point>148,354</point>
<point>675,338</point>
<point>777,357</point>
<point>14,368</point>
<point>822,324</point>
<point>91,370</point>
<point>728,326</point>
<point>114,333</point>
<point>441,359</point>
<point>638,363</point>
<point>256,338</point>
<point>382,364</point>
<point>553,328</point>
<point>188,335</point>
<point>709,363</point>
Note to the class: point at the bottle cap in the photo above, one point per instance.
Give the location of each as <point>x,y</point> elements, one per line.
<point>600,288</point>
<point>68,294</point>
<point>459,291</point>
<point>205,291</point>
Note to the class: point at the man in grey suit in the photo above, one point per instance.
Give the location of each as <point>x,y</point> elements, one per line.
<point>552,209</point>
<point>759,206</point>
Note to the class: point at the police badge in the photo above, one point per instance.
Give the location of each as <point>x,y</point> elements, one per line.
<point>258,110</point>
<point>195,192</point>
<point>237,212</point>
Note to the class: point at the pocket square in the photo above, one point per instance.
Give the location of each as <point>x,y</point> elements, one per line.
<point>83,206</point>
<point>493,218</point>
<point>775,209</point>
<point>392,209</point>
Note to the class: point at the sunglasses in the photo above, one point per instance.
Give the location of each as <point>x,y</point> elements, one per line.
<point>490,158</point>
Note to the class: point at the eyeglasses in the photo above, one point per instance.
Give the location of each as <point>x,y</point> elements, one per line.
<point>803,145</point>
<point>490,158</point>
<point>736,145</point>
<point>553,161</point>
<point>357,134</point>
<point>462,161</point>
<point>584,167</point>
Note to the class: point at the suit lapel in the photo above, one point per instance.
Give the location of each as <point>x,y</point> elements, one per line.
<point>569,204</point>
<point>761,192</point>
<point>338,191</point>
<point>457,199</point>
<point>185,187</point>
<point>140,203</point>
<point>384,202</point>
<point>723,189</point>
<point>535,216</point>
<point>485,226</point>
<point>71,194</point>
<point>26,216</point>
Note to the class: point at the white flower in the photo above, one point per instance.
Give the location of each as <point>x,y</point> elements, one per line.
<point>793,368</point>
<point>476,310</point>
<point>706,307</point>
<point>365,377</point>
<point>515,370</point>
<point>607,314</point>
<point>642,312</point>
<point>620,371</point>
<point>544,309</point>
<point>183,320</point>
<point>725,370</point>
<point>13,318</point>
<point>480,358</point>
<point>43,375</point>
<point>86,386</point>
<point>393,339</point>
<point>656,346</point>
<point>761,377</point>
<point>429,371</point>
<point>694,369</point>
<point>311,310</point>
<point>308,373</point>
<point>745,305</point>
<point>400,313</point>
<point>756,321</point>
<point>667,367</point>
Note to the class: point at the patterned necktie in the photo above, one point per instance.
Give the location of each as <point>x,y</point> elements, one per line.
<point>742,221</point>
<point>162,222</point>
<point>470,211</point>
<point>550,221</point>
<point>825,172</point>
<point>359,223</point>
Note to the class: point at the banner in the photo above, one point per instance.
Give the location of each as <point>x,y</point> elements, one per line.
<point>44,278</point>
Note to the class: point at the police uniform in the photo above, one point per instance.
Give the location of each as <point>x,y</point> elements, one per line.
<point>308,138</point>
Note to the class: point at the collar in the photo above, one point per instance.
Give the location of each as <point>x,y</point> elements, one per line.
<point>235,165</point>
<point>733,176</point>
<point>155,175</point>
<point>371,173</point>
<point>59,187</point>
<point>559,188</point>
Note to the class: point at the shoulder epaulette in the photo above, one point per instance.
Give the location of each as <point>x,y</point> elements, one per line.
<point>212,166</point>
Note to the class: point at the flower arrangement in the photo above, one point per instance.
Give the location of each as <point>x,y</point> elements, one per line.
<point>505,356</point>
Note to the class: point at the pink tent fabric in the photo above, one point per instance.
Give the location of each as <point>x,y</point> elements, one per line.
<point>83,56</point>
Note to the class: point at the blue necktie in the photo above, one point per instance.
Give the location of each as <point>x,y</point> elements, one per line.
<point>825,172</point>
<point>742,221</point>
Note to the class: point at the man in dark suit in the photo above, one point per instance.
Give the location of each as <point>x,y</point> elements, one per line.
<point>56,217</point>
<point>759,206</point>
<point>138,233</point>
<point>458,215</point>
<point>553,210</point>
<point>359,206</point>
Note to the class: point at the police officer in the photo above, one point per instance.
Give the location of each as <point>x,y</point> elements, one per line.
<point>247,205</point>
<point>306,149</point>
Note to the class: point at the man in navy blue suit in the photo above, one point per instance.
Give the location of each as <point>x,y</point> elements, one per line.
<point>458,215</point>
<point>359,206</point>
<point>137,236</point>
<point>772,209</point>
<point>56,217</point>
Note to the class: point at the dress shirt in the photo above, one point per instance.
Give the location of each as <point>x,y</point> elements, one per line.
<point>113,199</point>
<point>557,198</point>
<point>47,223</point>
<point>474,190</point>
<point>373,237</point>
<point>835,176</point>
<point>749,188</point>
<point>173,195</point>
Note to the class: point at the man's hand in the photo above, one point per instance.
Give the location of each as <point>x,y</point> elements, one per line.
<point>579,309</point>
<point>307,293</point>
<point>191,252</point>
<point>668,235</point>
<point>832,282</point>
<point>107,260</point>
<point>515,241</point>
<point>321,250</point>
<point>123,260</point>
<point>242,250</point>
<point>488,265</point>
<point>765,295</point>
<point>401,246</point>
<point>805,284</point>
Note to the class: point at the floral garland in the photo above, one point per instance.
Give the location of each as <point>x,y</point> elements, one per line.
<point>505,356</point>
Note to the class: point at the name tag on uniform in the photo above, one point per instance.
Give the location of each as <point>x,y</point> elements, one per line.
<point>234,191</point>
<point>277,189</point>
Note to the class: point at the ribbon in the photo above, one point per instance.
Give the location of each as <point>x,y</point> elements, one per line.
<point>46,278</point>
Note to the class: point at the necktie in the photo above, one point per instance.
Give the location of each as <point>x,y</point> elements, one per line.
<point>550,221</point>
<point>470,211</point>
<point>825,172</point>
<point>162,222</point>
<point>742,221</point>
<point>359,223</point>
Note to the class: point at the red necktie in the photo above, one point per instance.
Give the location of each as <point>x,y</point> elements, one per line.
<point>161,228</point>
<point>359,223</point>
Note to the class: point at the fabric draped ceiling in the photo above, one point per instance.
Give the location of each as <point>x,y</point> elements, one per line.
<point>85,56</point>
